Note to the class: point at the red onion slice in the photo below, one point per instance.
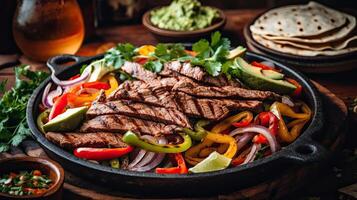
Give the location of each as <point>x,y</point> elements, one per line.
<point>274,146</point>
<point>137,158</point>
<point>45,94</point>
<point>287,100</point>
<point>53,94</point>
<point>252,154</point>
<point>244,140</point>
<point>83,77</point>
<point>159,157</point>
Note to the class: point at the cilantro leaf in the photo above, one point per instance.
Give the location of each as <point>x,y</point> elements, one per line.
<point>118,55</point>
<point>154,66</point>
<point>13,126</point>
<point>211,55</point>
<point>2,86</point>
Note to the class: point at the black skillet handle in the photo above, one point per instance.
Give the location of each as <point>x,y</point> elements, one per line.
<point>307,151</point>
<point>56,63</point>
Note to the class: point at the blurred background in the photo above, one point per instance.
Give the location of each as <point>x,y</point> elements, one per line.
<point>100,13</point>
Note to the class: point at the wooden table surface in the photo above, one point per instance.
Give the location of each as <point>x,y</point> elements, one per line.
<point>344,84</point>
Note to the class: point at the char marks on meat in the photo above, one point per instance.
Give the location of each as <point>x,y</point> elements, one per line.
<point>137,71</point>
<point>121,124</point>
<point>140,110</point>
<point>192,88</point>
<point>175,68</point>
<point>95,139</point>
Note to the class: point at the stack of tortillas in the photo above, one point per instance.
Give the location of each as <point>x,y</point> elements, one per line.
<point>306,30</point>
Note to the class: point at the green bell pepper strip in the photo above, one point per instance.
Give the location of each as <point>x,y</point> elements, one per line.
<point>132,139</point>
<point>44,115</point>
<point>199,132</point>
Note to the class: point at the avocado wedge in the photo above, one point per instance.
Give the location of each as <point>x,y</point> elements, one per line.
<point>67,121</point>
<point>99,69</point>
<point>236,52</point>
<point>260,79</point>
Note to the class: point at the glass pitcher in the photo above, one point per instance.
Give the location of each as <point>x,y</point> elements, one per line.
<point>45,28</point>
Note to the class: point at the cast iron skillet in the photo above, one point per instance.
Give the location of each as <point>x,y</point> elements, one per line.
<point>301,152</point>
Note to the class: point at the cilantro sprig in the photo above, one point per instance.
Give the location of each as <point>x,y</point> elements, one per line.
<point>211,55</point>
<point>13,125</point>
<point>164,53</point>
<point>118,55</point>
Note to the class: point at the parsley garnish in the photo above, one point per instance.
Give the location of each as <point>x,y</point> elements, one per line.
<point>13,125</point>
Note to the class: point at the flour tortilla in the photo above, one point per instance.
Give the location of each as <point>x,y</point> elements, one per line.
<point>298,21</point>
<point>337,45</point>
<point>330,36</point>
<point>352,47</point>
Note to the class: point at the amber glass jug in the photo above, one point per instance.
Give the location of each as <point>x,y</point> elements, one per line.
<point>45,28</point>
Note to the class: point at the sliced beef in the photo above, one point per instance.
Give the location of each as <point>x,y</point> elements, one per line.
<point>137,71</point>
<point>121,124</point>
<point>95,139</point>
<point>213,109</point>
<point>142,92</point>
<point>139,110</point>
<point>195,89</point>
<point>197,73</point>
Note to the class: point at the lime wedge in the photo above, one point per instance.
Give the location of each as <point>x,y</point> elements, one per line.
<point>67,121</point>
<point>213,162</point>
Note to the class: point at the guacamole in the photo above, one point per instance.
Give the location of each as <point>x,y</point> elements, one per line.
<point>184,15</point>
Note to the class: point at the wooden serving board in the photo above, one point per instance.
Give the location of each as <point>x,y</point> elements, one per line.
<point>289,182</point>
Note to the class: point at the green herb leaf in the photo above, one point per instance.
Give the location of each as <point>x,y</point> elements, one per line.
<point>2,86</point>
<point>213,67</point>
<point>154,66</point>
<point>118,55</point>
<point>13,126</point>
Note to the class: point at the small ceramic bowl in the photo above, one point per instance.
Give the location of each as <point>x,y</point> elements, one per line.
<point>52,169</point>
<point>165,35</point>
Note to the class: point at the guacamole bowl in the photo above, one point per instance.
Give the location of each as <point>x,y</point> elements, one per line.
<point>166,35</point>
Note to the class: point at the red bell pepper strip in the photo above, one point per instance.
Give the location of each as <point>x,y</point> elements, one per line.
<point>74,77</point>
<point>141,61</point>
<point>267,119</point>
<point>242,123</point>
<point>180,169</point>
<point>59,106</point>
<point>262,66</point>
<point>237,161</point>
<point>298,89</point>
<point>101,153</point>
<point>96,85</point>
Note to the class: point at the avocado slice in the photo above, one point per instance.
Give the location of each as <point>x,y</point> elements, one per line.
<point>236,52</point>
<point>257,78</point>
<point>99,69</point>
<point>67,121</point>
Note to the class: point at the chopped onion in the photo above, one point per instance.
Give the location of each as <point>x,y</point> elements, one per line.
<point>45,94</point>
<point>83,77</point>
<point>252,154</point>
<point>274,146</point>
<point>53,94</point>
<point>287,100</point>
<point>268,63</point>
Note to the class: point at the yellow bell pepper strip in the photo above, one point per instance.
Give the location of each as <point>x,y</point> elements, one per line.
<point>191,155</point>
<point>226,139</point>
<point>280,109</point>
<point>112,82</point>
<point>145,50</point>
<point>42,119</point>
<point>132,139</point>
<point>237,120</point>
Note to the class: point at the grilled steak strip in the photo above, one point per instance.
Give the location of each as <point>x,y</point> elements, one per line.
<point>194,89</point>
<point>139,110</point>
<point>74,140</point>
<point>137,71</point>
<point>213,109</point>
<point>121,124</point>
<point>176,67</point>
